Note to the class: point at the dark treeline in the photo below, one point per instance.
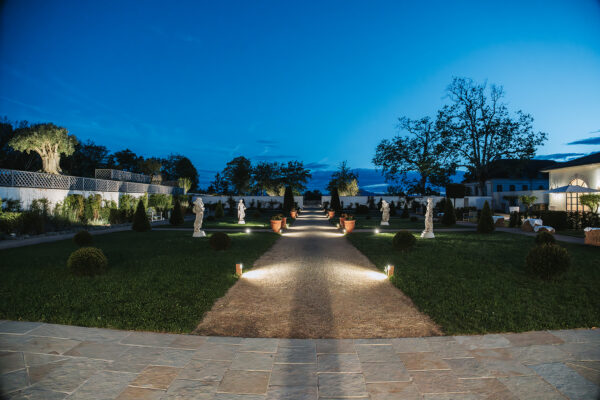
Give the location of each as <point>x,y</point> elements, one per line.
<point>89,156</point>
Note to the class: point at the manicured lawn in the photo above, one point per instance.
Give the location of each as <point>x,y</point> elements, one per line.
<point>396,223</point>
<point>471,283</point>
<point>158,281</point>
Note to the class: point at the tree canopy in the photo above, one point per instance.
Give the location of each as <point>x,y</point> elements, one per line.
<point>238,173</point>
<point>344,180</point>
<point>47,140</point>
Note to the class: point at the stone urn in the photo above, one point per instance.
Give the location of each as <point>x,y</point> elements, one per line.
<point>276,225</point>
<point>331,214</point>
<point>349,225</point>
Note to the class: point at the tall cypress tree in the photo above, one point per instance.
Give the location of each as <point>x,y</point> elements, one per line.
<point>288,200</point>
<point>177,214</point>
<point>335,200</point>
<point>486,222</point>
<point>140,219</point>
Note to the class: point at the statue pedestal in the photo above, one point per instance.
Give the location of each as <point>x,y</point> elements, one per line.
<point>199,234</point>
<point>242,222</point>
<point>385,223</point>
<point>427,235</point>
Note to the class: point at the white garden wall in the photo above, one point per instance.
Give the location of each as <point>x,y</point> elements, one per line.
<point>265,200</point>
<point>469,201</point>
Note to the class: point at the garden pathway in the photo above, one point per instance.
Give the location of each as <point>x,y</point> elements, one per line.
<point>51,362</point>
<point>314,284</point>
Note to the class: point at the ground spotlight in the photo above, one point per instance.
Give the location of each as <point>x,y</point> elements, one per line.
<point>389,270</point>
<point>376,231</point>
<point>248,230</point>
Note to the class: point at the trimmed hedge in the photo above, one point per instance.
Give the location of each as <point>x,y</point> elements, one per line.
<point>87,261</point>
<point>404,241</point>
<point>544,238</point>
<point>83,239</point>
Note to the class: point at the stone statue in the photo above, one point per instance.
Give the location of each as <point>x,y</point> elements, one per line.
<point>199,211</point>
<point>385,213</point>
<point>428,232</point>
<point>241,212</point>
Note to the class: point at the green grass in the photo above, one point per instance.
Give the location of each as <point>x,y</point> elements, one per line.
<point>396,223</point>
<point>263,221</point>
<point>471,283</point>
<point>158,280</point>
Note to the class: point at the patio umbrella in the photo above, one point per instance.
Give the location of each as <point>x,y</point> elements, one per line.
<point>573,189</point>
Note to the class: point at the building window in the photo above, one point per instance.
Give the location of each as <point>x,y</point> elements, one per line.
<point>525,187</point>
<point>573,203</point>
<point>498,188</point>
<point>512,188</point>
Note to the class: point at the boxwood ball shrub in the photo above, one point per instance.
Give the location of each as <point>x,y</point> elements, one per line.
<point>544,238</point>
<point>87,261</point>
<point>220,241</point>
<point>83,239</point>
<point>548,261</point>
<point>404,241</point>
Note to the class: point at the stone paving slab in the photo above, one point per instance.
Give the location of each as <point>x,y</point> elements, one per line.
<point>48,361</point>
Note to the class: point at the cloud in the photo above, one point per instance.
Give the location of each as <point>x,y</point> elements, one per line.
<point>559,156</point>
<point>591,140</point>
<point>268,142</point>
<point>267,157</point>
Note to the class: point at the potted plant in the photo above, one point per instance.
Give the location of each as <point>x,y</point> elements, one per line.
<point>276,223</point>
<point>294,213</point>
<point>330,213</point>
<point>349,223</point>
<point>283,221</point>
<point>343,219</point>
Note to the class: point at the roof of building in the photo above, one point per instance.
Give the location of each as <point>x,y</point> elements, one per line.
<point>517,169</point>
<point>593,158</point>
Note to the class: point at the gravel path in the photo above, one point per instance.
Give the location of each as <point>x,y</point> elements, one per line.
<point>314,284</point>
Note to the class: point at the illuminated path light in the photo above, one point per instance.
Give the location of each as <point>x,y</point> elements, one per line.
<point>314,284</point>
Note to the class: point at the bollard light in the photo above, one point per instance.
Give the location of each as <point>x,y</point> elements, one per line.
<point>239,269</point>
<point>389,270</point>
<point>344,231</point>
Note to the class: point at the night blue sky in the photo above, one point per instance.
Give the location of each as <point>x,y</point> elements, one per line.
<point>319,81</point>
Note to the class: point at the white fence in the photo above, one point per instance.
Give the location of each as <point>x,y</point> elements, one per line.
<point>118,175</point>
<point>27,186</point>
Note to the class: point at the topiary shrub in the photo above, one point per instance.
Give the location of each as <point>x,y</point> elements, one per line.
<point>515,220</point>
<point>87,261</point>
<point>544,238</point>
<point>219,211</point>
<point>405,213</point>
<point>449,217</point>
<point>83,239</point>
<point>335,200</point>
<point>220,241</point>
<point>177,214</point>
<point>362,209</point>
<point>288,200</point>
<point>548,261</point>
<point>404,241</point>
<point>140,219</point>
<point>485,224</point>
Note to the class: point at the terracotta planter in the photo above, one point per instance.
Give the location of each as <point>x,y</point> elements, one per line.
<point>331,214</point>
<point>342,221</point>
<point>276,225</point>
<point>349,225</point>
<point>294,214</point>
<point>284,223</point>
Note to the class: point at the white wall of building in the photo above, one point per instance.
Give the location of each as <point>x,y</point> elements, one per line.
<point>590,174</point>
<point>469,201</point>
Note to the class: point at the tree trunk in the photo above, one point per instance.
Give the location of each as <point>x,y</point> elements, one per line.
<point>51,163</point>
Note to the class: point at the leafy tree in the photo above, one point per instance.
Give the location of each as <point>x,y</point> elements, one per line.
<point>238,173</point>
<point>267,178</point>
<point>528,201</point>
<point>421,150</point>
<point>294,175</point>
<point>151,166</point>
<point>47,140</point>
<point>11,158</point>
<point>219,185</point>
<point>86,159</point>
<point>591,200</point>
<point>455,191</point>
<point>478,129</point>
<point>344,180</point>
<point>335,200</point>
<point>185,183</point>
<point>125,160</point>
<point>177,166</point>
<point>486,222</point>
